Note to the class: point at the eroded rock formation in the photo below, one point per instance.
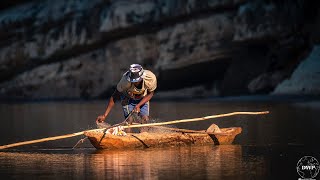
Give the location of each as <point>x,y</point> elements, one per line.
<point>80,49</point>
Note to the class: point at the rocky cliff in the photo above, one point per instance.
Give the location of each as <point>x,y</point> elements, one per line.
<point>80,48</point>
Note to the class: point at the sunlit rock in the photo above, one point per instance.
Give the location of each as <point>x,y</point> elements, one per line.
<point>305,79</point>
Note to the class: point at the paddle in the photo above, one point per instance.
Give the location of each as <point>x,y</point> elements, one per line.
<point>130,126</point>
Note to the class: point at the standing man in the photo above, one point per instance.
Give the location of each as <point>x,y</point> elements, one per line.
<point>135,89</point>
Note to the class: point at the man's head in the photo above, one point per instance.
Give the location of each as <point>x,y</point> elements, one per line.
<point>136,73</point>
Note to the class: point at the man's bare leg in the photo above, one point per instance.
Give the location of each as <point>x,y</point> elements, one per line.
<point>144,120</point>
<point>129,121</point>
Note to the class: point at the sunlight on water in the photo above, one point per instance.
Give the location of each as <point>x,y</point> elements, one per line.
<point>200,162</point>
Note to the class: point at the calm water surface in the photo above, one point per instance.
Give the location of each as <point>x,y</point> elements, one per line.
<point>268,148</point>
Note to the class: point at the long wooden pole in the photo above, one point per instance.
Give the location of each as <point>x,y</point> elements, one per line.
<point>41,140</point>
<point>195,119</point>
<point>183,130</point>
<point>131,126</point>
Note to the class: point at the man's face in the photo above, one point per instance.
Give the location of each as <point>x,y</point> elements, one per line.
<point>137,83</point>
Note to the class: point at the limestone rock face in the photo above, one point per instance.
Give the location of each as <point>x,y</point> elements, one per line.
<point>306,77</point>
<point>80,49</point>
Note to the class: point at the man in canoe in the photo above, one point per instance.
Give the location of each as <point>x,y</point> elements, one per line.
<point>135,89</point>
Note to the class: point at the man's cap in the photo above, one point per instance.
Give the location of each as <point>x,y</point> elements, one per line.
<point>135,73</point>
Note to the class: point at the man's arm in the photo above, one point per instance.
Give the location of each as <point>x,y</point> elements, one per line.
<point>113,98</point>
<point>143,101</point>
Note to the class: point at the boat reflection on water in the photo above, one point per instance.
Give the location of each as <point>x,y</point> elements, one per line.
<point>204,162</point>
<point>192,162</point>
<point>196,162</point>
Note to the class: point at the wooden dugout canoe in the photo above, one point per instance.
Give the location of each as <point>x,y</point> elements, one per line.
<point>156,139</point>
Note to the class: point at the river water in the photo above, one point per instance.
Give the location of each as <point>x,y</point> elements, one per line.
<point>269,146</point>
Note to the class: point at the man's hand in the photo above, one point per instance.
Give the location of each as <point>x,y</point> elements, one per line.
<point>100,118</point>
<point>136,109</point>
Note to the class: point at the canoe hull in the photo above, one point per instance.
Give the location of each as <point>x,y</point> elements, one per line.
<point>150,140</point>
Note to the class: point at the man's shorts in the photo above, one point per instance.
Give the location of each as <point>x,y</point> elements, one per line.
<point>144,109</point>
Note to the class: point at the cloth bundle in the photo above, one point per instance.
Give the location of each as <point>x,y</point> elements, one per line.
<point>117,131</point>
